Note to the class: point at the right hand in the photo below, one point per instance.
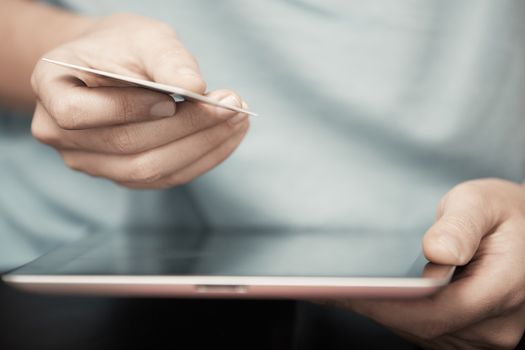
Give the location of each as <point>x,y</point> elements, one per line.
<point>132,136</point>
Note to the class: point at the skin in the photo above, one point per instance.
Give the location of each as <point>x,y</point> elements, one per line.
<point>135,137</point>
<point>480,227</point>
<point>24,39</point>
<point>141,139</point>
<point>132,136</point>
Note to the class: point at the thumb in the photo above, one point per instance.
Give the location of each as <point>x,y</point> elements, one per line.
<point>168,62</point>
<point>465,218</point>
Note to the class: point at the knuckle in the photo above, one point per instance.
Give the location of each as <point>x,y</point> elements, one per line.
<point>67,112</point>
<point>125,107</point>
<point>120,140</point>
<point>147,25</point>
<point>144,169</point>
<point>461,225</point>
<point>178,56</point>
<point>44,133</point>
<point>474,196</point>
<point>212,136</point>
<point>192,119</point>
<point>166,56</point>
<point>472,190</point>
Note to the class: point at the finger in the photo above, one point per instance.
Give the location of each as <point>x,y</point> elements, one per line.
<point>167,61</point>
<point>424,318</point>
<point>201,166</point>
<point>44,128</point>
<point>503,332</point>
<point>152,165</point>
<point>487,288</point>
<point>466,215</point>
<point>136,137</point>
<point>73,105</point>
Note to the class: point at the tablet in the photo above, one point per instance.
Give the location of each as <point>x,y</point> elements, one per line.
<point>259,263</point>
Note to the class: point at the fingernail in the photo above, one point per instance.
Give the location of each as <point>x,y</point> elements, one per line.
<point>239,117</point>
<point>452,244</point>
<point>229,100</point>
<point>163,109</point>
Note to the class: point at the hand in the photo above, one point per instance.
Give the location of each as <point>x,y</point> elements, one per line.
<point>480,224</point>
<point>133,136</point>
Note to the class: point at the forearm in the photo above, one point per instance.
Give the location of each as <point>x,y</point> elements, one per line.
<point>28,30</point>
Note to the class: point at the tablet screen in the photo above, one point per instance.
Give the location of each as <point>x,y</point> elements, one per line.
<point>237,252</point>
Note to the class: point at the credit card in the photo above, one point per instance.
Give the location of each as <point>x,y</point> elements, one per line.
<point>180,94</point>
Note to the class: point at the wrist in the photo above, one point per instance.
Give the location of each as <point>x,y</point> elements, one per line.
<point>66,26</point>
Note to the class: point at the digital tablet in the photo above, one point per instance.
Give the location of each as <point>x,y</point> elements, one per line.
<point>259,263</point>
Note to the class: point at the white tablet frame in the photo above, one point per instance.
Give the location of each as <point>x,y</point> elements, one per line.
<point>236,286</point>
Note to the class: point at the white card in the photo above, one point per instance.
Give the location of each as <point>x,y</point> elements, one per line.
<point>178,92</point>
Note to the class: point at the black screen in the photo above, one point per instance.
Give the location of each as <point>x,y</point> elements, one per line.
<point>237,252</point>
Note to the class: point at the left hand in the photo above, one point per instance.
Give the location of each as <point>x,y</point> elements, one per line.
<point>480,223</point>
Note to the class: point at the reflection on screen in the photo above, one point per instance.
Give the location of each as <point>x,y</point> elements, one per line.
<point>337,253</point>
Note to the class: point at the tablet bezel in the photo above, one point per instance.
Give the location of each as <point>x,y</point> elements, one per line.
<point>434,277</point>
